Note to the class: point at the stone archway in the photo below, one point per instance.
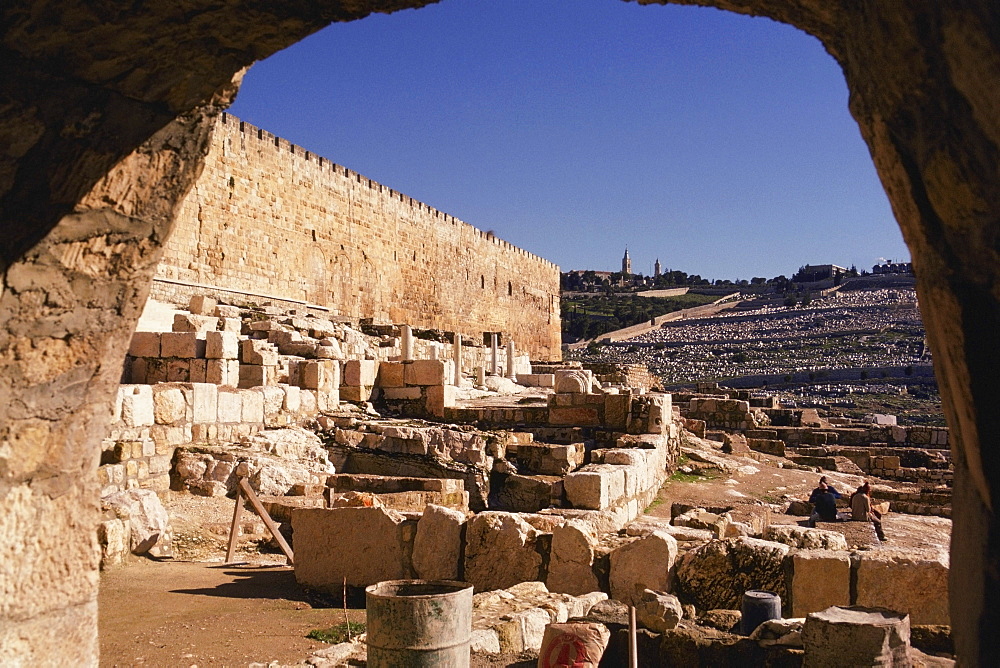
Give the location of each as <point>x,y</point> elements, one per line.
<point>103,123</point>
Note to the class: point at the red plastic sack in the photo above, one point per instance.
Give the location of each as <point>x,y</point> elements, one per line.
<point>579,645</point>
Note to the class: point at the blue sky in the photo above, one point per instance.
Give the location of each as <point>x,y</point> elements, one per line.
<point>720,144</point>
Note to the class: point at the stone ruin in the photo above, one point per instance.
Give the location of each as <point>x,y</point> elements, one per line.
<point>535,498</point>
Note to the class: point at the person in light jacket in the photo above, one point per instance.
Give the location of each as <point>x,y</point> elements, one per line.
<point>862,510</point>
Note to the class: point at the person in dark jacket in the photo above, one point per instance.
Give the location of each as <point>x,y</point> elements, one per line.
<point>824,500</point>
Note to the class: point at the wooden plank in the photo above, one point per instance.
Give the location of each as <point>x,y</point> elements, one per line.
<point>235,527</point>
<point>272,527</point>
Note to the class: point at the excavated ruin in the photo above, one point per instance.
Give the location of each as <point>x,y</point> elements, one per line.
<point>105,119</point>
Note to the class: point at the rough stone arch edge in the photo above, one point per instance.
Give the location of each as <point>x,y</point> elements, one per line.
<point>920,90</point>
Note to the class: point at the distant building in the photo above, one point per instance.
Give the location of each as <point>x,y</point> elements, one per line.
<point>818,272</point>
<point>893,268</point>
<point>656,268</point>
<point>626,263</point>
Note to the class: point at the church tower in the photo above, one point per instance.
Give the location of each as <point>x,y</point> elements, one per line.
<point>626,263</point>
<point>656,268</point>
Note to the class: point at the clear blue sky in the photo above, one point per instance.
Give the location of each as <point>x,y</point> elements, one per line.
<point>720,144</point>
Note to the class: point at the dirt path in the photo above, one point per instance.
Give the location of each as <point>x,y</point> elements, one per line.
<point>185,614</point>
<point>199,614</point>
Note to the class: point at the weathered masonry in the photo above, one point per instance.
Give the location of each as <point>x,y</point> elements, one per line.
<point>269,219</point>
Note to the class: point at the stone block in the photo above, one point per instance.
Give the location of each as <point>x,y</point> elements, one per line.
<point>767,446</point>
<point>198,371</point>
<point>425,372</point>
<point>571,560</point>
<point>178,370</point>
<point>360,373</point>
<point>658,410</point>
<point>550,459</point>
<point>536,379</point>
<point>905,581</point>
<point>356,394</point>
<point>222,345</point>
<point>185,345</point>
<point>820,578</point>
<point>580,416</point>
<point>135,373</point>
<point>715,575</point>
<point>319,375</point>
<point>166,439</point>
<point>149,523</point>
<point>159,464</point>
<point>437,547</point>
<point>527,494</point>
<point>617,408</point>
<point>145,344</point>
<point>390,374</point>
<point>264,326</point>
<point>360,545</point>
<point>642,564</point>
<point>203,305</point>
<point>307,402</point>
<point>230,325</point>
<point>254,375</point>
<point>169,404</point>
<point>273,398</point>
<point>805,538</point>
<point>204,402</point>
<point>187,322</point>
<point>440,397</point>
<point>327,400</point>
<point>699,518</point>
<point>500,551</point>
<point>658,611</point>
<point>253,406</point>
<point>402,393</point>
<point>222,372</point>
<point>258,352</point>
<point>229,407</point>
<point>735,444</point>
<point>595,486</point>
<point>846,637</point>
<point>623,456</point>
<point>293,399</point>
<point>137,405</point>
<point>114,537</point>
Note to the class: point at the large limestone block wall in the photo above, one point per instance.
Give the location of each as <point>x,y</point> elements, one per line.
<point>269,217</point>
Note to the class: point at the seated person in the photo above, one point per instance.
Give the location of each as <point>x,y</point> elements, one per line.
<point>862,510</point>
<point>824,500</point>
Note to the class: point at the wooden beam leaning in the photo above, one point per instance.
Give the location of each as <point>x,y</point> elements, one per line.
<point>235,526</point>
<point>244,489</point>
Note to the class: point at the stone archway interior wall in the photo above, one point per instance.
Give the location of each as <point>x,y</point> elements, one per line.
<point>263,207</point>
<point>103,120</point>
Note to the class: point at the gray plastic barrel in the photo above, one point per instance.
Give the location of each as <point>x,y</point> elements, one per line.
<point>758,607</point>
<point>419,623</point>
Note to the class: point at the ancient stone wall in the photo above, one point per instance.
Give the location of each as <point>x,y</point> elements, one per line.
<point>269,219</point>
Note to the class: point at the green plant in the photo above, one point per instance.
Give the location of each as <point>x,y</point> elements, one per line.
<point>680,476</point>
<point>337,633</point>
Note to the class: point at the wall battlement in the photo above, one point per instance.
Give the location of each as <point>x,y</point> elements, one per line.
<point>268,216</point>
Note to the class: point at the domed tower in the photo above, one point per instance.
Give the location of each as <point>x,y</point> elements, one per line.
<point>626,263</point>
